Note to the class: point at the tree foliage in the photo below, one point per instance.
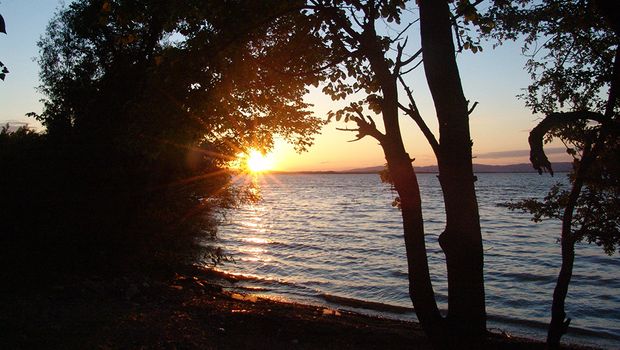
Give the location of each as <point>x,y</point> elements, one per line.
<point>570,45</point>
<point>188,71</point>
<point>574,64</point>
<point>573,48</point>
<point>145,104</point>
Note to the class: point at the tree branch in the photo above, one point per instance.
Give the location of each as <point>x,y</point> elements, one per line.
<point>471,110</point>
<point>412,68</point>
<point>364,128</point>
<point>399,63</point>
<point>414,113</point>
<point>339,21</point>
<point>538,158</point>
<point>404,30</point>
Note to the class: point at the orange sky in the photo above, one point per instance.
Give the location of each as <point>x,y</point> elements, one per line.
<point>499,125</point>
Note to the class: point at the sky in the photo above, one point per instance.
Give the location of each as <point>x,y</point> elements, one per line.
<point>499,125</point>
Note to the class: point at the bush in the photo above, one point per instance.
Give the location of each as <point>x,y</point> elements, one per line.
<point>66,209</point>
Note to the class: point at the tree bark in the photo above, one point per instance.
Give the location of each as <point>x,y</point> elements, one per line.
<point>406,184</point>
<point>420,285</point>
<point>462,240</point>
<point>559,323</point>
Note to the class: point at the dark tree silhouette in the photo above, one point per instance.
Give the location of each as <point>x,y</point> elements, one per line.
<point>365,60</point>
<point>576,77</point>
<point>3,70</point>
<point>145,103</point>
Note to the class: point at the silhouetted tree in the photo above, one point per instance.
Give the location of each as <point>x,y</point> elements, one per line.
<point>363,60</point>
<point>575,68</point>
<point>3,70</point>
<point>146,102</point>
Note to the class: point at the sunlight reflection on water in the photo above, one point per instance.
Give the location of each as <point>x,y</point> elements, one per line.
<point>333,235</point>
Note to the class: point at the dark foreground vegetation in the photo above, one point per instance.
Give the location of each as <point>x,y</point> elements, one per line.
<point>182,309</point>
<point>131,171</point>
<point>69,209</point>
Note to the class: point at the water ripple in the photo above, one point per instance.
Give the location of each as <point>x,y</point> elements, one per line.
<point>336,239</point>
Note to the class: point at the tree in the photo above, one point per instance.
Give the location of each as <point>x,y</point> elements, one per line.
<point>230,74</point>
<point>3,69</point>
<point>146,103</point>
<point>363,60</point>
<point>576,77</point>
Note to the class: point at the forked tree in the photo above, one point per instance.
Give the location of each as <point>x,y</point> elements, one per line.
<point>366,63</point>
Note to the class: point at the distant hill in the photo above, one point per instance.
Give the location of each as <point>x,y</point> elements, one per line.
<point>478,168</point>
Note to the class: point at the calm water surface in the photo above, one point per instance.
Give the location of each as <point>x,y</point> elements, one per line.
<point>335,240</point>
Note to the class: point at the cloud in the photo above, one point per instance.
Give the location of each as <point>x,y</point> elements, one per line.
<point>519,153</point>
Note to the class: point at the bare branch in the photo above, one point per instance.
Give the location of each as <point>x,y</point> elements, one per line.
<point>457,35</point>
<point>355,19</point>
<point>399,54</point>
<point>358,136</point>
<point>413,57</point>
<point>403,31</point>
<point>412,68</point>
<point>414,113</point>
<point>470,111</point>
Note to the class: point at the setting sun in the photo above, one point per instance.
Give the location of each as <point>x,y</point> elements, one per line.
<point>258,162</point>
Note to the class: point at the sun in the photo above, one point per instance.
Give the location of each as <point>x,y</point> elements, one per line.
<point>257,162</point>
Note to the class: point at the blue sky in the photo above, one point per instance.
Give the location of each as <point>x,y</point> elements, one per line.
<point>26,21</point>
<point>499,125</point>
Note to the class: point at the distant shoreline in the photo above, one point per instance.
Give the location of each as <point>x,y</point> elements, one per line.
<point>559,167</point>
<point>376,172</point>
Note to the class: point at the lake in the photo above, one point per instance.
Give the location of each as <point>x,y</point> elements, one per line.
<point>335,240</point>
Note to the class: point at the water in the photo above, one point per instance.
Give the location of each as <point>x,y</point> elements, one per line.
<point>335,240</point>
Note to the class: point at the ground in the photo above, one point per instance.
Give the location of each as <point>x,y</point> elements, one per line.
<point>185,310</point>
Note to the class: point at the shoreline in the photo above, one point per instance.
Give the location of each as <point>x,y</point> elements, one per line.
<point>186,310</point>
<point>510,326</point>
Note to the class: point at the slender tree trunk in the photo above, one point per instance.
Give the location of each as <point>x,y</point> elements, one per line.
<point>559,323</point>
<point>420,285</point>
<point>462,240</point>
<point>406,183</point>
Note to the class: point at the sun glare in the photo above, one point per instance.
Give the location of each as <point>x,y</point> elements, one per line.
<point>258,162</point>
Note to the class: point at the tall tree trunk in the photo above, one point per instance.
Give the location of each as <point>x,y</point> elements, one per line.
<point>406,184</point>
<point>420,285</point>
<point>462,240</point>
